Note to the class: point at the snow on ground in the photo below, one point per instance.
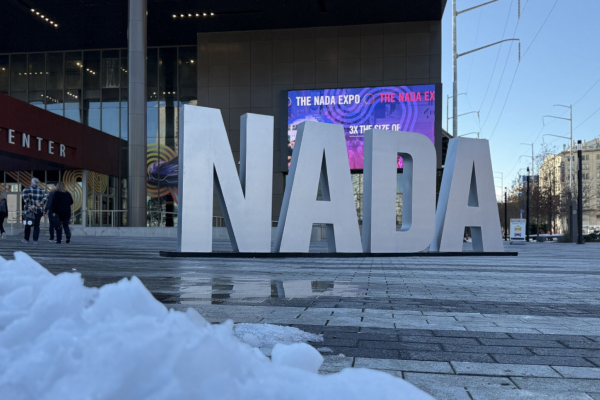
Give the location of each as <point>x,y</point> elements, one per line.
<point>266,336</point>
<point>61,340</point>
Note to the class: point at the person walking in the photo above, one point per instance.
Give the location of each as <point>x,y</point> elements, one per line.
<point>34,200</point>
<point>61,211</point>
<point>3,213</point>
<point>48,211</point>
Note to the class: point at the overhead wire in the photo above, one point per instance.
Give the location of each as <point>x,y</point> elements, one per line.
<point>516,69</point>
<point>497,57</point>
<point>473,57</point>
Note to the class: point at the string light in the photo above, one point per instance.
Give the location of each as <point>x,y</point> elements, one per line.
<point>45,18</point>
<point>191,15</point>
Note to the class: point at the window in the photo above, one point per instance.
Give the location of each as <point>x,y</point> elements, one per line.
<point>54,83</point>
<point>37,79</point>
<point>124,94</point>
<point>91,85</point>
<point>597,156</point>
<point>73,68</point>
<point>110,69</point>
<point>18,76</point>
<point>4,68</point>
<point>587,157</point>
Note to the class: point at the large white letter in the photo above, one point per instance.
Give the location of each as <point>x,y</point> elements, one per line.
<point>418,198</point>
<point>467,199</point>
<point>205,158</point>
<point>319,154</point>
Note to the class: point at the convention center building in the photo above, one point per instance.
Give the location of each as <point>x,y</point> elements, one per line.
<point>94,100</point>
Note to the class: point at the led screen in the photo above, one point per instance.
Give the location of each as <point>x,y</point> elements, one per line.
<point>398,108</point>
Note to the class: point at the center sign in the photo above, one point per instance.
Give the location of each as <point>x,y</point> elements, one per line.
<point>467,195</point>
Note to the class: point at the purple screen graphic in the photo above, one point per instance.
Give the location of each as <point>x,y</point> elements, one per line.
<point>398,108</point>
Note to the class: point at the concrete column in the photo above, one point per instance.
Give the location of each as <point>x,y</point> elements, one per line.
<point>137,112</point>
<point>84,192</point>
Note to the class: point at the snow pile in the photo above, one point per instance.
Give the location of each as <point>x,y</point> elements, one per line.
<point>266,336</point>
<point>61,340</point>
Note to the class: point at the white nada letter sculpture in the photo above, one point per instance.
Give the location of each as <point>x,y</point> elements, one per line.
<point>379,234</point>
<point>320,154</point>
<point>205,158</point>
<point>467,199</point>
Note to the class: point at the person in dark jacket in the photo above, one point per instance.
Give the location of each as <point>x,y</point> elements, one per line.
<point>3,214</point>
<point>61,208</point>
<point>48,211</point>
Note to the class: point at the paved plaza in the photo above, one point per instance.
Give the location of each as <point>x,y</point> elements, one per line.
<point>459,328</point>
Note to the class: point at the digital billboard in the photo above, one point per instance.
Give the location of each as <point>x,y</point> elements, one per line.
<point>398,108</point>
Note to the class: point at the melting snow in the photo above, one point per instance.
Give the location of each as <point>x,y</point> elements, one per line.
<point>61,340</point>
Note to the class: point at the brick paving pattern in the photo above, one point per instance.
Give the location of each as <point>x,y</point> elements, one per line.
<point>459,328</point>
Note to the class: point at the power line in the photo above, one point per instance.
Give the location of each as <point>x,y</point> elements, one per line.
<point>591,87</point>
<point>505,101</point>
<point>497,57</point>
<point>473,57</point>
<point>515,74</point>
<point>541,27</point>
<point>585,120</point>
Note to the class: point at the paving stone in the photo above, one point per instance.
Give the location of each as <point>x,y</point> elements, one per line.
<point>594,360</point>
<point>520,342</point>
<point>447,393</point>
<point>578,372</point>
<point>496,335</point>
<point>566,352</point>
<point>444,356</point>
<point>423,380</point>
<point>370,344</point>
<point>561,385</point>
<point>542,360</point>
<point>403,365</point>
<point>487,349</point>
<point>440,340</point>
<point>467,368</point>
<point>479,393</point>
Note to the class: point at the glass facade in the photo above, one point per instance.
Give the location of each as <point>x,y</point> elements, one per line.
<point>91,87</point>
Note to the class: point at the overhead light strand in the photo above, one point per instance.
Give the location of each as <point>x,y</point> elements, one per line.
<point>192,15</point>
<point>44,18</point>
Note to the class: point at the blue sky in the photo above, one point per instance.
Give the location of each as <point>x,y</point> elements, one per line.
<point>557,67</point>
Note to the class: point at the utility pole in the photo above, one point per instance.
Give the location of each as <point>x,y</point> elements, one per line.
<point>448,117</point>
<point>527,208</point>
<point>579,195</point>
<point>505,214</point>
<point>570,194</point>
<point>455,72</point>
<point>456,56</point>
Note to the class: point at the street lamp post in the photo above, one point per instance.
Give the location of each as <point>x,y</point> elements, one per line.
<point>527,215</point>
<point>570,194</point>
<point>505,214</point>
<point>579,194</point>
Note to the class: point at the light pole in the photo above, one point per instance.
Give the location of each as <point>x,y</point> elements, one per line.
<point>570,119</point>
<point>505,214</point>
<point>456,56</point>
<point>579,195</point>
<point>570,193</point>
<point>527,215</point>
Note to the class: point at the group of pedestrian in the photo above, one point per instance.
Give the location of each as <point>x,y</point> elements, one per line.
<point>37,203</point>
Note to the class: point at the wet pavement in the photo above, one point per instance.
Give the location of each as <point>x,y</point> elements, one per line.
<point>460,328</point>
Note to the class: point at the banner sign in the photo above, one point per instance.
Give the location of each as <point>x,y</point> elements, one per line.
<point>395,108</point>
<point>517,230</point>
